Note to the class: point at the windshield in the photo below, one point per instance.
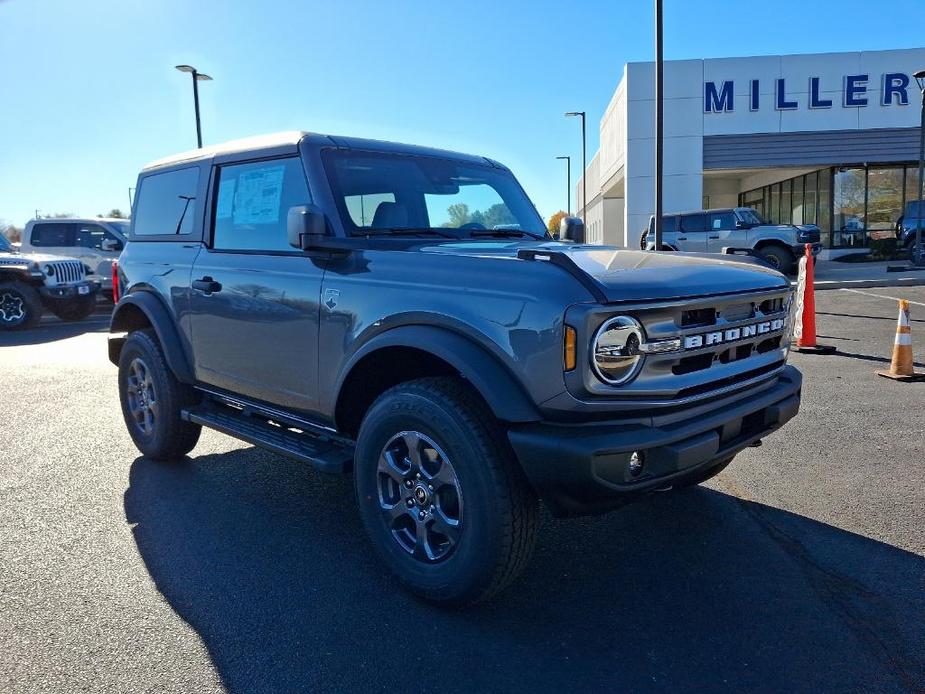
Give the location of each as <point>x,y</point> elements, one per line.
<point>121,227</point>
<point>375,190</point>
<point>749,216</point>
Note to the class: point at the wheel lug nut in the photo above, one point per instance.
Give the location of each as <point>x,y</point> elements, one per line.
<point>410,503</point>
<point>431,509</point>
<point>421,515</point>
<point>430,487</point>
<point>418,475</point>
<point>409,484</point>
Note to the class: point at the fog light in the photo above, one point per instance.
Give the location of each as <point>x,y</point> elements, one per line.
<point>637,461</point>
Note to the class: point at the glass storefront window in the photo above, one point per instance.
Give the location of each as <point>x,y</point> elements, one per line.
<point>785,209</point>
<point>848,204</point>
<point>796,216</point>
<point>774,211</point>
<point>809,198</point>
<point>912,183</point>
<point>824,214</point>
<point>884,198</point>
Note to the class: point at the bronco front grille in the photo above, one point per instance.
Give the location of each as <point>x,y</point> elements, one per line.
<point>719,343</point>
<point>64,272</point>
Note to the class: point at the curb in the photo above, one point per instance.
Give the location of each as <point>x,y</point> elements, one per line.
<point>866,284</point>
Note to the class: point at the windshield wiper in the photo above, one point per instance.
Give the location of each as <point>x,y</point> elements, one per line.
<point>405,231</point>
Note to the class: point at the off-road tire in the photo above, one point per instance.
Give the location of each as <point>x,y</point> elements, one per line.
<point>703,475</point>
<point>76,309</point>
<point>19,298</point>
<point>779,258</point>
<point>169,438</point>
<point>499,508</point>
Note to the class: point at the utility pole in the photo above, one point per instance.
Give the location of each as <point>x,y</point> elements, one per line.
<point>659,153</point>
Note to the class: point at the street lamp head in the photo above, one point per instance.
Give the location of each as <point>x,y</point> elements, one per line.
<point>186,68</point>
<point>575,113</point>
<point>920,78</point>
<point>565,157</point>
<point>202,77</point>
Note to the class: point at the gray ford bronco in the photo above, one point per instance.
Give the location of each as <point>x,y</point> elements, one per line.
<point>400,313</point>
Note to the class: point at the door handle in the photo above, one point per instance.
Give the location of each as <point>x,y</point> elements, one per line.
<point>714,237</point>
<point>207,285</point>
<point>682,238</point>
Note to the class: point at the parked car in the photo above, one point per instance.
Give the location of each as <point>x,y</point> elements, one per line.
<point>906,225</point>
<point>95,241</point>
<point>357,305</point>
<point>732,230</point>
<point>31,283</point>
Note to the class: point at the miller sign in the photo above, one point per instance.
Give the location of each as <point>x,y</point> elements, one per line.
<point>894,89</point>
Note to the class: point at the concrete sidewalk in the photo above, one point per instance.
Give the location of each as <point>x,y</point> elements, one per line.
<point>831,274</point>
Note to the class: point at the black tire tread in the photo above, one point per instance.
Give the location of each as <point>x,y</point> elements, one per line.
<point>516,495</point>
<point>32,299</point>
<point>180,436</point>
<point>76,310</point>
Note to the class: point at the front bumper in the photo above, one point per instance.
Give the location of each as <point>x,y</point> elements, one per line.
<point>70,291</point>
<point>584,469</point>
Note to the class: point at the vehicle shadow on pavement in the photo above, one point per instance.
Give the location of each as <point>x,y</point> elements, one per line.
<point>692,591</point>
<point>54,330</point>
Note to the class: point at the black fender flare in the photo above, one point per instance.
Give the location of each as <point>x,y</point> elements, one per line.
<point>493,381</point>
<point>164,327</point>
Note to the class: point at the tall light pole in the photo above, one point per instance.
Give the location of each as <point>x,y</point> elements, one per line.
<point>659,153</point>
<point>197,77</point>
<point>584,165</point>
<point>917,254</point>
<point>568,183</point>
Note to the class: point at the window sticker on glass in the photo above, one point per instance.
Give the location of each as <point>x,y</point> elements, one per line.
<point>257,195</point>
<point>225,205</point>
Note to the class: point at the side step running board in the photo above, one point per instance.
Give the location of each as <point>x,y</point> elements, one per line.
<point>322,453</point>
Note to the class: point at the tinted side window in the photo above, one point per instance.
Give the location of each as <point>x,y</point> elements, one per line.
<point>669,224</point>
<point>166,203</point>
<point>722,221</point>
<point>694,222</point>
<point>253,201</point>
<point>52,234</point>
<point>92,236</point>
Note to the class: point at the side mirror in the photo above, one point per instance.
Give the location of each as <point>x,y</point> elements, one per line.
<point>742,225</point>
<point>572,229</point>
<point>111,245</point>
<point>305,226</point>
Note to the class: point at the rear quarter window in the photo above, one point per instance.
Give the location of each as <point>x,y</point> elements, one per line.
<point>166,203</point>
<point>50,234</point>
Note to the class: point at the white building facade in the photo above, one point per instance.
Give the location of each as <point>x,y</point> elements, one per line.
<point>829,139</point>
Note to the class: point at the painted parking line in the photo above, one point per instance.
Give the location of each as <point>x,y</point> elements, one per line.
<point>881,296</point>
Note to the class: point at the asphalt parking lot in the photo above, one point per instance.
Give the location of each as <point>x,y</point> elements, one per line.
<point>800,568</point>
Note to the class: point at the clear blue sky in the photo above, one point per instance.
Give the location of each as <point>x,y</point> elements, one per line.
<point>90,94</point>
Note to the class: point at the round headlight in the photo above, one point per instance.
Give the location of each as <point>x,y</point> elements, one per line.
<point>615,352</point>
<point>49,270</point>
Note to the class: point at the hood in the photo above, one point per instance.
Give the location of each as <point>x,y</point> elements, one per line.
<point>620,275</point>
<point>28,258</point>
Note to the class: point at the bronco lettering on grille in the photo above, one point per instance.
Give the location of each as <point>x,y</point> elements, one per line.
<point>745,332</point>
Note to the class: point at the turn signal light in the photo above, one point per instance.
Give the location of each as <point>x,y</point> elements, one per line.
<point>569,348</point>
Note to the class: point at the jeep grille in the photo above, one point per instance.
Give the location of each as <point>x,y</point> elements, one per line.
<point>65,272</point>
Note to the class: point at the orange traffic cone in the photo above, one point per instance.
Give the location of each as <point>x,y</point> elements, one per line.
<point>901,368</point>
<point>804,328</point>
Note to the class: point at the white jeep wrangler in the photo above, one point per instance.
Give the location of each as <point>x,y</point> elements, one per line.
<point>33,282</point>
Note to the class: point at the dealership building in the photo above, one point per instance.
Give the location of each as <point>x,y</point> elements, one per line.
<point>829,139</point>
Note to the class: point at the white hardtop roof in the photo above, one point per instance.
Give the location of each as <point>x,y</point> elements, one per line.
<point>288,137</point>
